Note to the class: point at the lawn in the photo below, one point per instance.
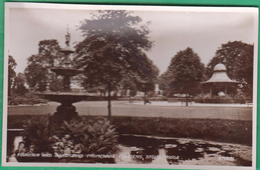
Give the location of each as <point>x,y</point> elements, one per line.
<point>122,108</point>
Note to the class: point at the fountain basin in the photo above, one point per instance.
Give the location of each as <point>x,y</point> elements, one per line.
<point>63,71</point>
<point>68,97</point>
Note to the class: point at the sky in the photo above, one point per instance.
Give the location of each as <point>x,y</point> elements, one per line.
<point>172,29</point>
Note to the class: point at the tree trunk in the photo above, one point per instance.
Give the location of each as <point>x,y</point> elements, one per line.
<point>109,102</point>
<point>186,99</point>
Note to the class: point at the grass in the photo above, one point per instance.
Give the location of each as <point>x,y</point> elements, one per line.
<point>122,108</point>
<point>219,130</point>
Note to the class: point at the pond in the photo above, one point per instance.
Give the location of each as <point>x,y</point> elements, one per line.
<point>136,149</point>
<point>177,151</point>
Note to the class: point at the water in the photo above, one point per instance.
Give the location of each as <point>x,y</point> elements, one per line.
<point>152,150</point>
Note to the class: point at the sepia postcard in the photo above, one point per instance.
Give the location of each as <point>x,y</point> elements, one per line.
<point>130,86</point>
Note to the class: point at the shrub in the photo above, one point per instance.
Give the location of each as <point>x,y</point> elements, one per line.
<point>98,137</point>
<point>240,98</point>
<point>222,99</point>
<point>36,133</point>
<point>159,98</point>
<point>199,98</point>
<point>207,98</point>
<point>28,98</point>
<point>78,136</point>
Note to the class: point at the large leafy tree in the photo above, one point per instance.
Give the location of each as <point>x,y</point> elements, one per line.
<point>184,73</point>
<point>165,82</point>
<point>11,74</point>
<point>150,79</point>
<point>113,50</point>
<point>135,82</point>
<point>38,72</point>
<point>238,58</point>
<point>19,84</point>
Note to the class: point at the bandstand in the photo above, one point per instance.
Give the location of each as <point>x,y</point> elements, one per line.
<point>220,82</point>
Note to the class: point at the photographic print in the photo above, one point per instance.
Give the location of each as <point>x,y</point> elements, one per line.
<point>130,86</point>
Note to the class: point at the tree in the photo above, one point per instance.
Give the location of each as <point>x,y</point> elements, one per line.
<point>184,73</point>
<point>38,72</point>
<point>134,83</point>
<point>165,82</point>
<point>151,77</point>
<point>113,50</point>
<point>19,84</point>
<point>238,58</point>
<point>11,74</point>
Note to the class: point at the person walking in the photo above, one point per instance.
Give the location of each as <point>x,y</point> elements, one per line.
<point>146,100</point>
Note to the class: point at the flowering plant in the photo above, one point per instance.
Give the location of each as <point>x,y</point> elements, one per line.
<point>77,136</point>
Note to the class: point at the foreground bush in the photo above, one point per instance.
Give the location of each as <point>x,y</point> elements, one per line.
<point>78,136</point>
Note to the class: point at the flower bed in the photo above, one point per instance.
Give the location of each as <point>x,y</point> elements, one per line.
<point>47,140</point>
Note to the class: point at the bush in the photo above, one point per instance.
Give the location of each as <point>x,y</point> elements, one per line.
<point>199,98</point>
<point>222,99</point>
<point>95,137</point>
<point>78,136</point>
<point>240,98</point>
<point>28,98</point>
<point>159,98</point>
<point>207,98</point>
<point>36,133</point>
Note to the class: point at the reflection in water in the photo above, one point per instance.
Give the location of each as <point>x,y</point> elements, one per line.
<point>186,151</point>
<point>146,155</point>
<point>176,151</point>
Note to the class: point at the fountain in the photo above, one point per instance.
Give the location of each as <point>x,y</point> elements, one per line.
<point>65,96</point>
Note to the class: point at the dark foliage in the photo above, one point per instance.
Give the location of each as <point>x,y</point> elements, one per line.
<point>38,72</point>
<point>184,74</point>
<point>11,74</point>
<point>113,53</point>
<point>29,98</point>
<point>238,58</point>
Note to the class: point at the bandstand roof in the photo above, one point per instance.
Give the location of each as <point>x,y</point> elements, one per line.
<point>220,76</point>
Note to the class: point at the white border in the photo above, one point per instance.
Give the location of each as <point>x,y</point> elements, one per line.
<point>256,30</point>
<point>9,5</point>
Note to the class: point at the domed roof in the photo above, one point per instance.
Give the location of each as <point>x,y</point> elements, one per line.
<point>220,67</point>
<point>220,75</point>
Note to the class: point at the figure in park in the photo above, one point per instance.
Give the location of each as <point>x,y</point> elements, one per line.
<point>67,38</point>
<point>146,99</point>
